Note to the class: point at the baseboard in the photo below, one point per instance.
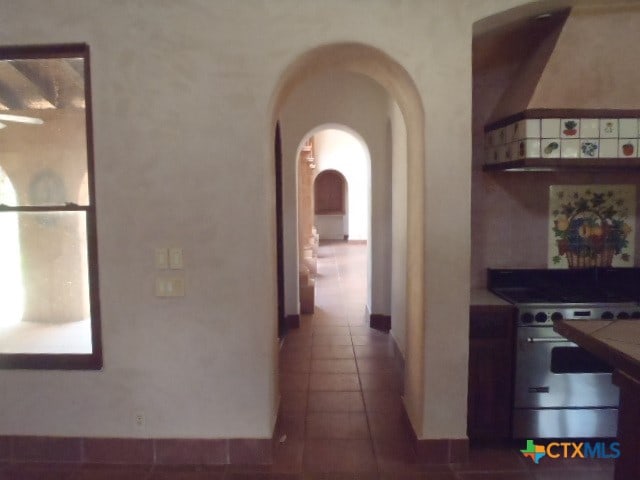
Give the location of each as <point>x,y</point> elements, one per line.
<point>292,321</point>
<point>380,321</point>
<point>140,451</point>
<point>439,450</point>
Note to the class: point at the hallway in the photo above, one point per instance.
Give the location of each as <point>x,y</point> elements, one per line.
<point>340,383</point>
<point>340,413</point>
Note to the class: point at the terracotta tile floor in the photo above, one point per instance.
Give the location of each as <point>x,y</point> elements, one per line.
<point>340,411</point>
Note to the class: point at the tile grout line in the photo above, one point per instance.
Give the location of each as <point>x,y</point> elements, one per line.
<point>366,414</point>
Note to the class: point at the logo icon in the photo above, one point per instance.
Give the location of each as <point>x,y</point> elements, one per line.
<point>583,450</point>
<point>533,451</point>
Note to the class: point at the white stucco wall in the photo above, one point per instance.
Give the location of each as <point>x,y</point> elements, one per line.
<point>182,119</point>
<point>340,150</point>
<point>398,133</point>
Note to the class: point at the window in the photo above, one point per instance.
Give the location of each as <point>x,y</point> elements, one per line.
<point>49,315</point>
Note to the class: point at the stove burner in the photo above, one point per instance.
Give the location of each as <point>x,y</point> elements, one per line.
<point>544,296</point>
<point>543,315</point>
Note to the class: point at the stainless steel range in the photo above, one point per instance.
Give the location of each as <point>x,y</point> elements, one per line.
<point>561,390</point>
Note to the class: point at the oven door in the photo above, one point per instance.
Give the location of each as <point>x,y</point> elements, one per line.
<point>552,372</point>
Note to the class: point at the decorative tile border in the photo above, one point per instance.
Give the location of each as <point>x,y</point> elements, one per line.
<point>563,138</point>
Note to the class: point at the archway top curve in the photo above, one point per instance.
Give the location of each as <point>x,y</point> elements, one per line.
<point>329,172</point>
<point>336,126</point>
<point>357,58</point>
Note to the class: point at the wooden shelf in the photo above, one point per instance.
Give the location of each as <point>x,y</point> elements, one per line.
<point>565,164</point>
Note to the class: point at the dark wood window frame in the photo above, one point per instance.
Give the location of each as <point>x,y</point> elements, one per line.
<point>66,361</point>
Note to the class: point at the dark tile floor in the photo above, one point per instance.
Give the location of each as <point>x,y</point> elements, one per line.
<point>340,412</point>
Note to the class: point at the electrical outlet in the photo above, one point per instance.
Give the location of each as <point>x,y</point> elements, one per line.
<point>139,419</point>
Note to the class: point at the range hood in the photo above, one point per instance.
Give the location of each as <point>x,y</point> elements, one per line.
<point>575,101</point>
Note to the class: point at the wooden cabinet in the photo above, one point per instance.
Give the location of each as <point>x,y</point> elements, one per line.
<point>491,362</point>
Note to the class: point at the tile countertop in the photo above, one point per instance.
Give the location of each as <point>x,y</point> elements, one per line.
<point>614,341</point>
<point>482,296</point>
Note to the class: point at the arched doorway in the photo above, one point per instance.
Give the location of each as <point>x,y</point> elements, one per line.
<point>330,205</point>
<point>384,71</point>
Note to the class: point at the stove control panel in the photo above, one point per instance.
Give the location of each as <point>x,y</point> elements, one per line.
<point>545,315</point>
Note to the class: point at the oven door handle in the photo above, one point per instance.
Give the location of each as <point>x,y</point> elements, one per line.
<point>546,340</point>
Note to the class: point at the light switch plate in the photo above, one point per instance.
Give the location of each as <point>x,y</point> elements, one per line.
<point>162,258</point>
<point>169,287</point>
<point>175,258</point>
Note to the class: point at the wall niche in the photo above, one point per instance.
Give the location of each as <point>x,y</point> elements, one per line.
<point>330,193</point>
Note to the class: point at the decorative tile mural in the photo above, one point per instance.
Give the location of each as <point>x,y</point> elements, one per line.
<point>564,138</point>
<point>591,226</point>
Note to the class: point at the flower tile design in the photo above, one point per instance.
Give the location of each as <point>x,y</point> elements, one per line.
<point>591,226</point>
<point>609,128</point>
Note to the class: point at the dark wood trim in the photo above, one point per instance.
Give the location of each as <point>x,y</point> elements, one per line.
<point>53,361</point>
<point>380,321</point>
<point>562,113</point>
<point>282,323</point>
<point>565,164</point>
<point>68,361</point>
<point>491,321</point>
<point>628,464</point>
<point>142,451</point>
<point>58,50</point>
<point>71,207</point>
<point>92,221</point>
<point>491,372</point>
<point>292,321</point>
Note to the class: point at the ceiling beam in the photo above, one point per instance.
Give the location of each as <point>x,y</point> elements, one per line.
<point>35,72</point>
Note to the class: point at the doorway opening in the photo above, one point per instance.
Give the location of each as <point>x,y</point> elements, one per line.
<point>361,87</point>
<point>334,191</point>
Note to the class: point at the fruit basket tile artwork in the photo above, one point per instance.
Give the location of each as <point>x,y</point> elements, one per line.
<point>591,226</point>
